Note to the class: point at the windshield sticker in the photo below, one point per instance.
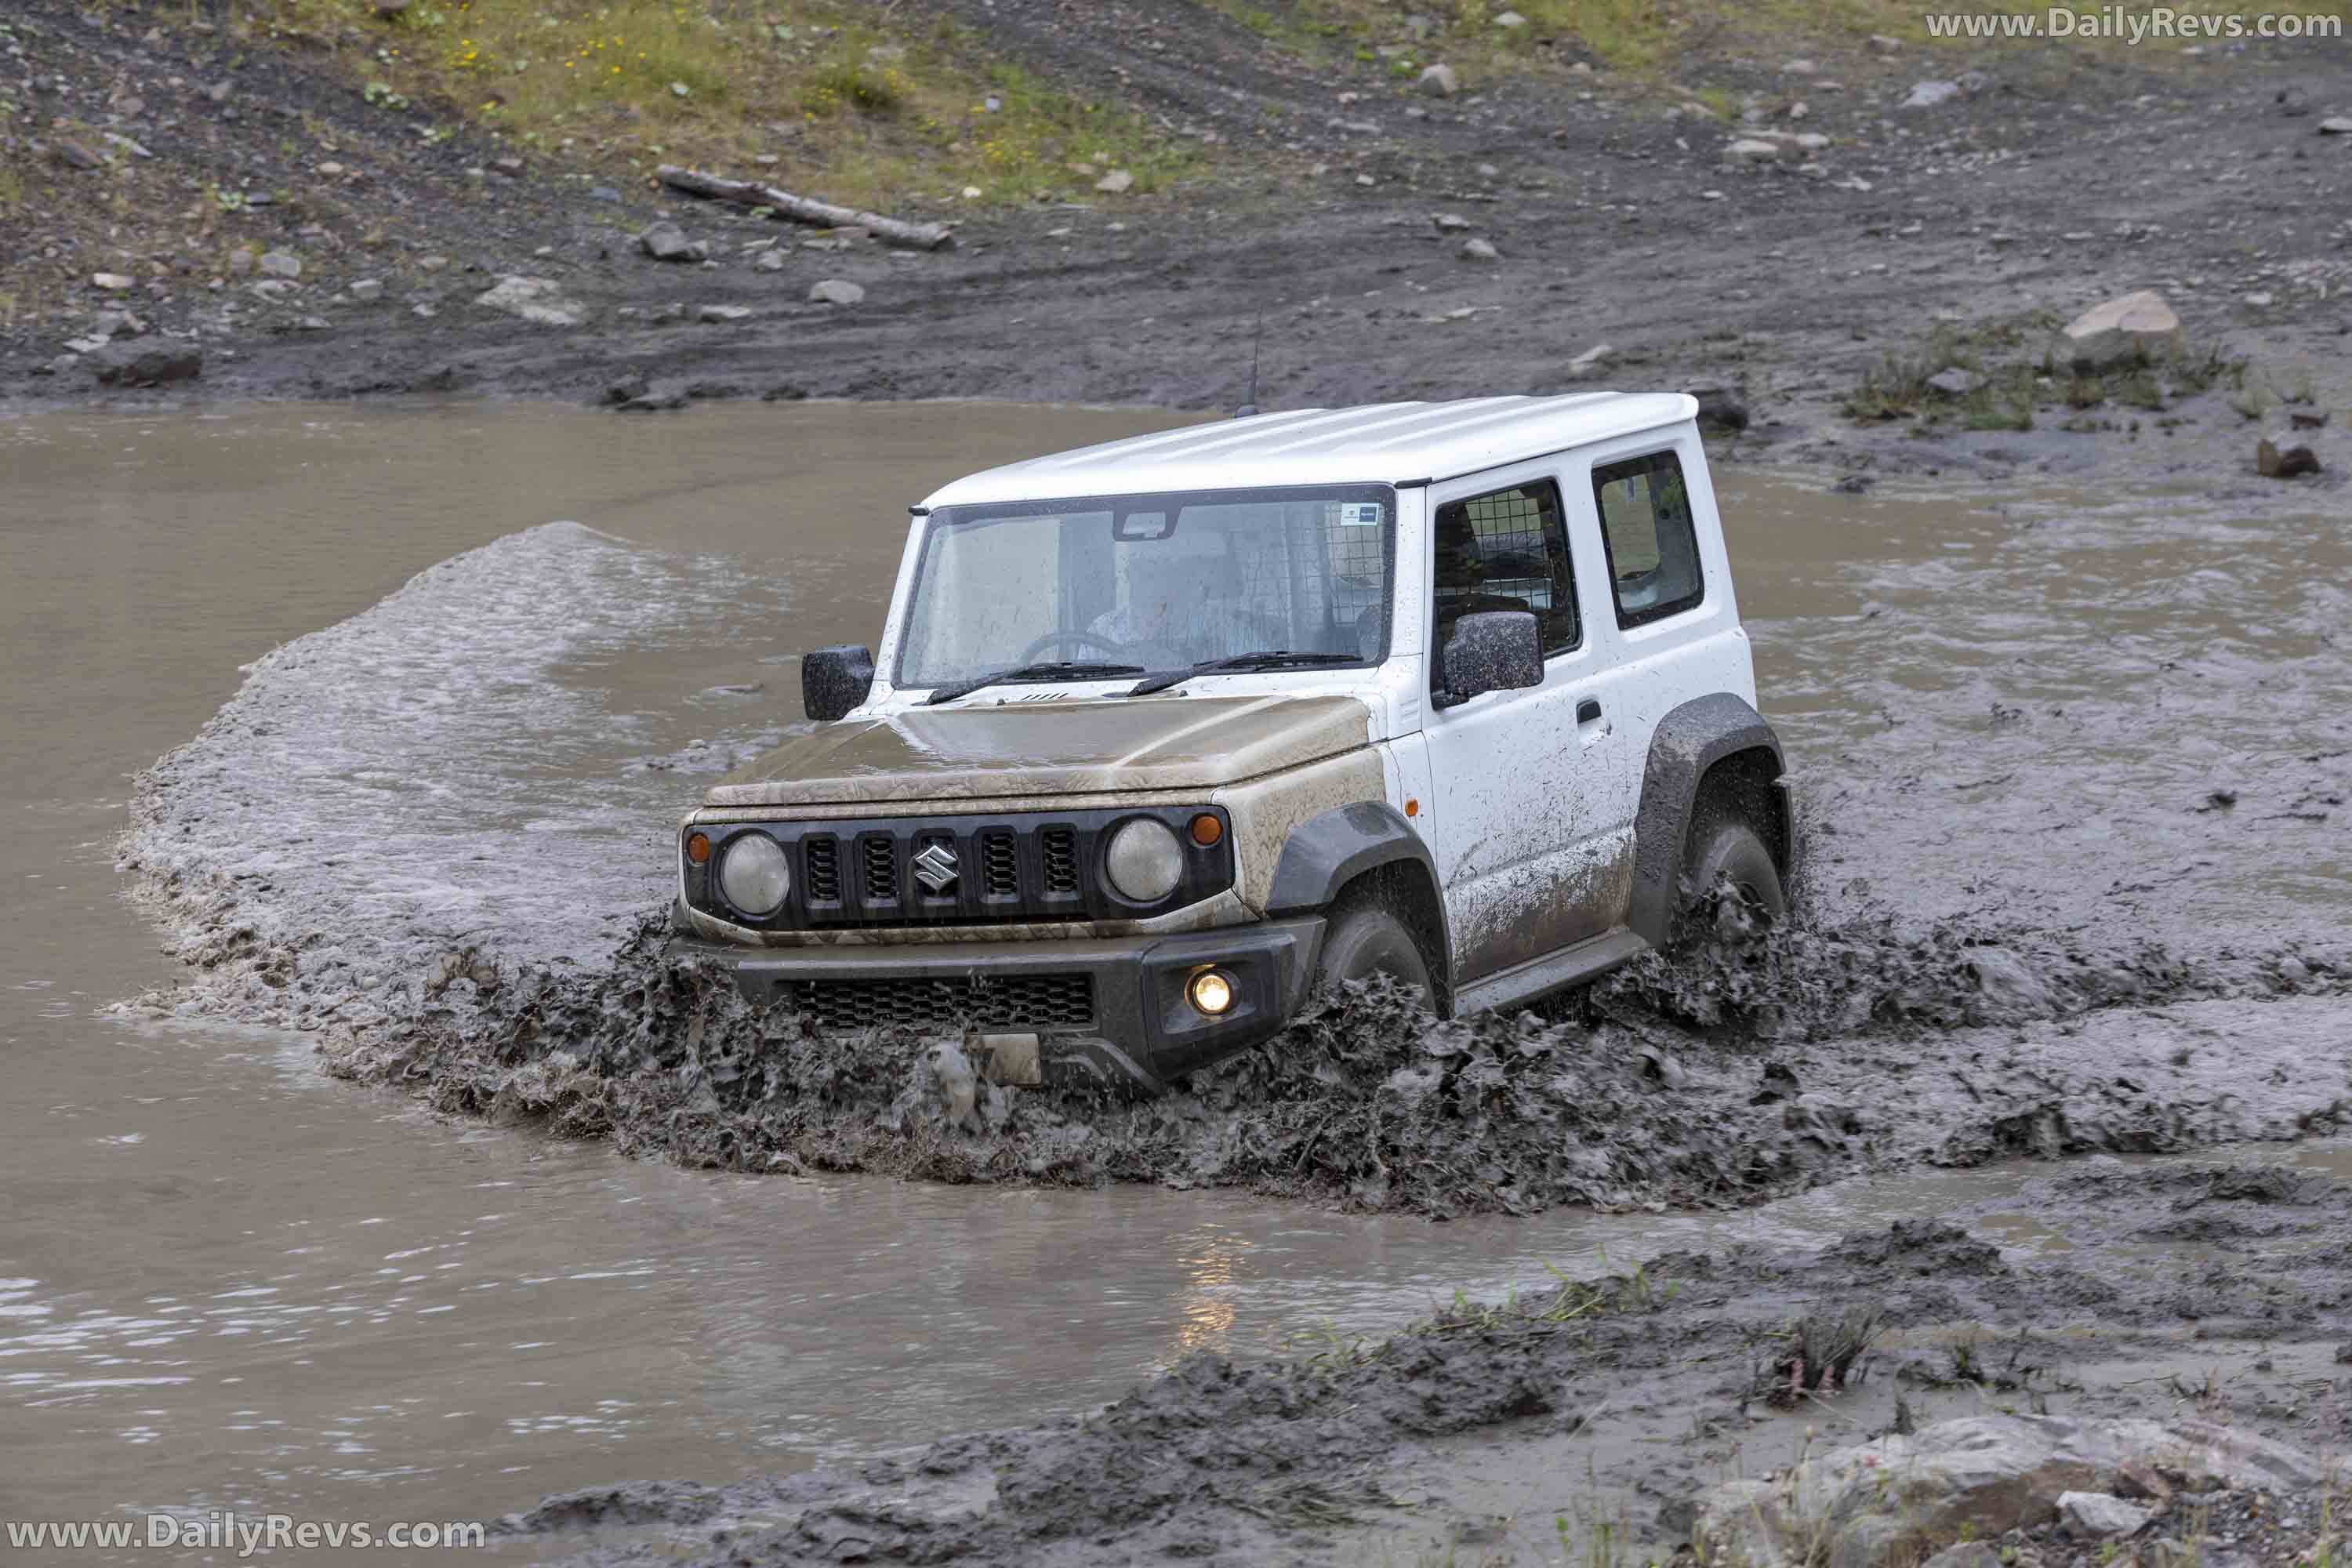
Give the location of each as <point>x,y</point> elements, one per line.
<point>1359,514</point>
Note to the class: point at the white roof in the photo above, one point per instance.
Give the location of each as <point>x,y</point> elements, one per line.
<point>1378,443</point>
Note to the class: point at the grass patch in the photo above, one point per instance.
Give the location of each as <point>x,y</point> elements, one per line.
<point>849,102</point>
<point>2020,378</point>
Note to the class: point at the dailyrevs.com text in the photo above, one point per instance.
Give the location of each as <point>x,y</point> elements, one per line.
<point>2129,24</point>
<point>243,1534</point>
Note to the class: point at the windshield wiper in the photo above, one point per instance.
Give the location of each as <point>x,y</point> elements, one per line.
<point>1263,658</point>
<point>1088,668</point>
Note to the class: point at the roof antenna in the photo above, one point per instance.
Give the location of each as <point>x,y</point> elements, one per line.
<point>1257,336</point>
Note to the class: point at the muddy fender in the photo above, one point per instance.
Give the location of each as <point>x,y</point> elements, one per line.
<point>1328,851</point>
<point>1690,740</point>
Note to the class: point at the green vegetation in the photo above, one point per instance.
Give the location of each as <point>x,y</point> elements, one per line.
<point>2019,378</point>
<point>851,102</point>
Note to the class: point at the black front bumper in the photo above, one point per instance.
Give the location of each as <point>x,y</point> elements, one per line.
<point>1107,1010</point>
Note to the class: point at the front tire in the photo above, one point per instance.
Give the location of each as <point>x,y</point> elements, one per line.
<point>1364,940</point>
<point>1731,888</point>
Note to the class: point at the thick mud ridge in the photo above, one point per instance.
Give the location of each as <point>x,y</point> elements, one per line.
<point>435,835</point>
<point>1497,1426</point>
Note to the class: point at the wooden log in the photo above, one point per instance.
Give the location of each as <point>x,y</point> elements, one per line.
<point>802,209</point>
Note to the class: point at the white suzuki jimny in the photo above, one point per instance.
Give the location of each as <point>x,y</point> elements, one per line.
<point>1164,734</point>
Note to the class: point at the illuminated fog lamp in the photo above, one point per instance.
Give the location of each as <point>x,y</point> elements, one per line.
<point>1212,993</point>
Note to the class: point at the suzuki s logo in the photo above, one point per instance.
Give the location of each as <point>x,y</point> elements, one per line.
<point>935,867</point>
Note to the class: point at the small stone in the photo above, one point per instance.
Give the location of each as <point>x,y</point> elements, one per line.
<point>768,261</point>
<point>510,167</point>
<point>718,315</point>
<point>1510,21</point>
<point>2258,299</point>
<point>972,193</point>
<point>74,155</point>
<point>1589,360</point>
<point>666,242</point>
<point>602,193</point>
<point>2338,126</point>
<point>539,300</point>
<point>367,291</point>
<point>240,263</point>
<point>836,292</point>
<point>281,264</point>
<point>1880,44</point>
<point>331,168</point>
<point>1954,383</point>
<point>2292,463</point>
<point>431,263</point>
<point>1930,94</point>
<point>1752,150</point>
<point>112,282</point>
<point>1798,67</point>
<point>1450,223</point>
<point>1480,250</point>
<point>424,312</point>
<point>312,323</point>
<point>112,325</point>
<point>625,389</point>
<point>659,396</point>
<point>2095,1516</point>
<point>1116,183</point>
<point>1438,81</point>
<point>1710,195</point>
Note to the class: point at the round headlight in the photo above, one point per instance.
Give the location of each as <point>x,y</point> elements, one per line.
<point>754,874</point>
<point>1145,861</point>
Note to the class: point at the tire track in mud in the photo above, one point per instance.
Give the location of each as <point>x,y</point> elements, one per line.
<point>426,835</point>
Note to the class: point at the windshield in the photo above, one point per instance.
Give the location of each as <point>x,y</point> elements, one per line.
<point>1153,581</point>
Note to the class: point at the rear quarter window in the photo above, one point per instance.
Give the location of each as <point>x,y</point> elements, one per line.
<point>1650,538</point>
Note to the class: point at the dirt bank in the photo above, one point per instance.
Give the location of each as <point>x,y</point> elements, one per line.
<point>1582,1420</point>
<point>1613,214</point>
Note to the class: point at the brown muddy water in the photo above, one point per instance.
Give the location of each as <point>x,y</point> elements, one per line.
<point>227,1281</point>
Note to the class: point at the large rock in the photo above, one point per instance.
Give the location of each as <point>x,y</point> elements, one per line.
<point>540,300</point>
<point>146,364</point>
<point>836,292</point>
<point>2123,330</point>
<point>1901,1498</point>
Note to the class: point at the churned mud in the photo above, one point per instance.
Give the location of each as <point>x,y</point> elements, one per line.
<point>1585,1418</point>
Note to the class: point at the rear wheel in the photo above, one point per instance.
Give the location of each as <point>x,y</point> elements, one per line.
<point>1730,886</point>
<point>1364,940</point>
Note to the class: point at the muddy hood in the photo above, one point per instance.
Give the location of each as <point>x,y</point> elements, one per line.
<point>941,756</point>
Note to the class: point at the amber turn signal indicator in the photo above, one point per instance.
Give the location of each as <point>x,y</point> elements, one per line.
<point>1207,830</point>
<point>698,848</point>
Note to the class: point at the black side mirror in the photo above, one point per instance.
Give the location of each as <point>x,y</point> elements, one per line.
<point>1488,650</point>
<point>835,680</point>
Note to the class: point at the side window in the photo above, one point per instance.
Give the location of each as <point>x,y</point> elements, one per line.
<point>1508,550</point>
<point>1645,522</point>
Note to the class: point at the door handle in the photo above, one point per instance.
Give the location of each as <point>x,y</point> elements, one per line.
<point>1588,712</point>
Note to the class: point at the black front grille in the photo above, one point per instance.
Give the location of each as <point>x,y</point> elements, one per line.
<point>1061,847</point>
<point>999,865</point>
<point>824,870</point>
<point>1025,1001</point>
<point>881,869</point>
<point>1032,868</point>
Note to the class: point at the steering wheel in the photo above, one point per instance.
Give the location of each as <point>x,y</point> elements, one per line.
<point>1054,639</point>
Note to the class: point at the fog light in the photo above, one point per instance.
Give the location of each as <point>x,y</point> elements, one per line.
<point>1212,992</point>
